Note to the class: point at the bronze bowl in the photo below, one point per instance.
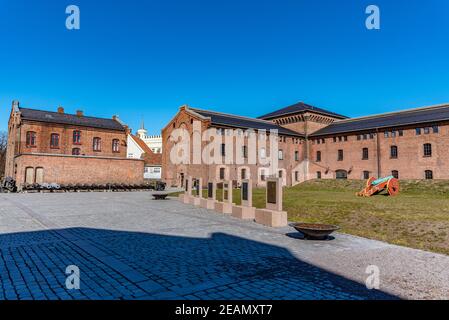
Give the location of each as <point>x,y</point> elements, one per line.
<point>315,231</point>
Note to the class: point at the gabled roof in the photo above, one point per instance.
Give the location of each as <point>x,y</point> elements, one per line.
<point>300,107</point>
<point>426,115</point>
<point>149,156</point>
<point>71,119</point>
<point>229,120</point>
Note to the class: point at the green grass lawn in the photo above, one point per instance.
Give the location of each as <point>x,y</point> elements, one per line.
<point>418,217</point>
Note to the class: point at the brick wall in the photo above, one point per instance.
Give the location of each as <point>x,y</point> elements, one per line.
<point>74,169</point>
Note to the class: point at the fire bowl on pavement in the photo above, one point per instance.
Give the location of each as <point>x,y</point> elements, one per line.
<point>315,231</point>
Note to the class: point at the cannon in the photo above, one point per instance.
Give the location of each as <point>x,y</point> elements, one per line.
<point>375,186</point>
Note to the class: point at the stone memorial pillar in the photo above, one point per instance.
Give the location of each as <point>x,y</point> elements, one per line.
<point>196,200</point>
<point>226,205</point>
<point>272,215</point>
<point>209,202</point>
<point>245,211</point>
<point>188,193</point>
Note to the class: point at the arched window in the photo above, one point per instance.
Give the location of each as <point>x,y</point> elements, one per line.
<point>393,152</point>
<point>318,156</point>
<point>97,144</point>
<point>427,150</point>
<point>31,139</point>
<point>76,151</point>
<point>366,174</point>
<point>280,154</point>
<point>280,174</point>
<point>76,137</point>
<point>365,154</point>
<point>341,174</point>
<point>115,145</point>
<point>429,174</point>
<point>395,173</point>
<point>243,173</point>
<point>54,141</point>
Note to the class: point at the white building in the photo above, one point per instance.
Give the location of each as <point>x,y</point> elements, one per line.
<point>138,149</point>
<point>153,142</point>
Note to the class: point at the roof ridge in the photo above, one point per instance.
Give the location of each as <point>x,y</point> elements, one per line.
<point>235,116</point>
<point>69,114</point>
<point>379,115</point>
<point>305,106</point>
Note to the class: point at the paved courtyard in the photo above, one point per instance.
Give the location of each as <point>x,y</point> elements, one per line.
<point>128,246</point>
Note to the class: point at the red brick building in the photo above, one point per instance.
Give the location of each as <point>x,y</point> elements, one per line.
<point>56,147</point>
<point>316,143</point>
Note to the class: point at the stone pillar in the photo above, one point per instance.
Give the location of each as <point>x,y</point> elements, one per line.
<point>272,216</point>
<point>188,193</point>
<point>196,201</point>
<point>209,202</point>
<point>226,205</point>
<point>246,211</point>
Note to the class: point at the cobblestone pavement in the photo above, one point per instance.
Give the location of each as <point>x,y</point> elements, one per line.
<point>128,246</point>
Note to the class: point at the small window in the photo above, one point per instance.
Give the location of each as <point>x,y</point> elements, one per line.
<point>243,173</point>
<point>31,139</point>
<point>335,139</point>
<point>393,134</point>
<point>318,156</point>
<point>76,151</point>
<point>296,155</point>
<point>435,129</point>
<point>222,173</point>
<point>76,137</point>
<point>115,145</point>
<point>418,131</point>
<point>365,137</point>
<point>365,154</point>
<point>340,139</point>
<point>323,141</point>
<point>281,155</point>
<point>429,174</point>
<point>393,152</point>
<point>359,137</point>
<point>366,175</point>
<point>157,170</point>
<point>223,149</point>
<point>346,138</point>
<point>427,150</point>
<point>386,134</point>
<point>296,176</point>
<point>371,135</point>
<point>280,173</point>
<point>262,175</point>
<point>340,155</point>
<point>401,133</point>
<point>245,151</point>
<point>426,130</point>
<point>97,144</point>
<point>318,174</point>
<point>54,141</point>
<point>395,173</point>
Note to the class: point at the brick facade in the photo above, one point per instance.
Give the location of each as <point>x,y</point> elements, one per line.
<point>59,163</point>
<point>408,160</point>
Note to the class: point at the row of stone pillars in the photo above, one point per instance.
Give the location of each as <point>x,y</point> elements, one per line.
<point>272,215</point>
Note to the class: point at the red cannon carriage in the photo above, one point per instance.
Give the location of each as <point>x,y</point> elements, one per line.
<point>373,186</point>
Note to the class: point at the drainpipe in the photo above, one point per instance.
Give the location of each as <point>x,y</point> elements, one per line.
<point>378,153</point>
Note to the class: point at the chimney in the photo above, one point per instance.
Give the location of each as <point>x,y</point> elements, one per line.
<point>79,113</point>
<point>15,105</point>
<point>60,109</point>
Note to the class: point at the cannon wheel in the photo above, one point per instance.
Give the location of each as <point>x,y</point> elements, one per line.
<point>393,187</point>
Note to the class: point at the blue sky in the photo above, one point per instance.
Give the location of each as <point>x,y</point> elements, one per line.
<point>146,58</point>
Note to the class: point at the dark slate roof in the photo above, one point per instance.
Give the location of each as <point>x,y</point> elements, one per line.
<point>426,115</point>
<point>229,120</point>
<point>299,108</point>
<point>71,119</point>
